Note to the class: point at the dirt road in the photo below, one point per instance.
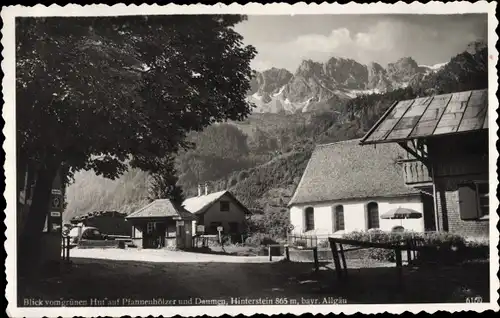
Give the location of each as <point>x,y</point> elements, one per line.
<point>182,276</point>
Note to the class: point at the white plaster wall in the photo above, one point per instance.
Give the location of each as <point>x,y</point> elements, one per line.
<point>297,219</point>
<point>355,215</point>
<point>136,232</point>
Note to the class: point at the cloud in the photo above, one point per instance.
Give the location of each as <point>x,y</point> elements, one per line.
<point>379,43</point>
<point>379,40</point>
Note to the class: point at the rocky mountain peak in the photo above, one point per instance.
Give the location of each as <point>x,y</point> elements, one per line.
<point>316,85</point>
<point>403,70</point>
<point>309,68</point>
<point>346,72</point>
<point>476,46</point>
<point>271,80</point>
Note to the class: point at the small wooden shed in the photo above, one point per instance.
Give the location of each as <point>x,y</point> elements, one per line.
<point>162,224</point>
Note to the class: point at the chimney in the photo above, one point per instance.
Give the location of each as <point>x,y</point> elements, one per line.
<point>199,190</point>
<point>206,188</point>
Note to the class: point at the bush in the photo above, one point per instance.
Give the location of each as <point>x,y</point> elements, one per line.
<point>299,243</point>
<point>437,245</point>
<point>324,244</point>
<point>259,239</point>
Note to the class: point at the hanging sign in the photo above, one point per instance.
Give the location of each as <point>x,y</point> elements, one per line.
<point>56,203</point>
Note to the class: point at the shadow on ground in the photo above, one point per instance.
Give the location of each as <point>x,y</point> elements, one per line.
<point>98,278</point>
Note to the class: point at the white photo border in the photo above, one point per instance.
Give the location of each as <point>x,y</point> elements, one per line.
<point>8,88</point>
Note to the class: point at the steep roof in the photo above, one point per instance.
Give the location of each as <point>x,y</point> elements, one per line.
<point>347,170</point>
<point>200,204</point>
<point>161,208</point>
<point>431,116</point>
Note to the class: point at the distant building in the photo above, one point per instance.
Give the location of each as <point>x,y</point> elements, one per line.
<point>446,139</point>
<point>346,187</point>
<point>161,224</point>
<point>217,209</point>
<point>108,222</point>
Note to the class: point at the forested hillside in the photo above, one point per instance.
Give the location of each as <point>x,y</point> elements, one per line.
<point>261,159</point>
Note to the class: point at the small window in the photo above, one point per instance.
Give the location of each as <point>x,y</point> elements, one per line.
<point>373,217</point>
<point>150,227</point>
<point>224,206</point>
<point>309,219</point>
<point>339,218</point>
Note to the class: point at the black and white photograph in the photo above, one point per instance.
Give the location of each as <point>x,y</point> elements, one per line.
<point>274,159</point>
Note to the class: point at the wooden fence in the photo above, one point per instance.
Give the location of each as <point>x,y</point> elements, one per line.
<point>306,241</point>
<point>411,246</point>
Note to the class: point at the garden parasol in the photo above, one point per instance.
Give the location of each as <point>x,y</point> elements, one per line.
<point>401,213</point>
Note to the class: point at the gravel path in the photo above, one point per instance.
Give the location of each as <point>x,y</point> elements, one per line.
<point>166,256</point>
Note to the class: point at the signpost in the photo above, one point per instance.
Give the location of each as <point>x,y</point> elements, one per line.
<point>220,229</point>
<point>54,223</point>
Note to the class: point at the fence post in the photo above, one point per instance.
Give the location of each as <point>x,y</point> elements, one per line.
<point>336,260</point>
<point>399,266</point>
<point>63,242</point>
<point>409,247</point>
<point>342,256</point>
<point>270,254</point>
<point>316,261</point>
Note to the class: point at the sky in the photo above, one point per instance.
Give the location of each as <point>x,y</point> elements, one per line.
<point>284,41</point>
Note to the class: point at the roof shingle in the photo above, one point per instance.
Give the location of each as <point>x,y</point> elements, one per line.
<point>347,170</point>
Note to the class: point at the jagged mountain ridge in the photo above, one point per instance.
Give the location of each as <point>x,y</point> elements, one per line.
<point>316,86</point>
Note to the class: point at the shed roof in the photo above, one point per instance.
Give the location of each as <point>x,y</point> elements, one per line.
<point>161,208</point>
<point>431,116</point>
<point>347,170</point>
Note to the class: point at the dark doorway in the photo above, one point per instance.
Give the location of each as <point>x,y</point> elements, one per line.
<point>429,212</point>
<point>154,235</point>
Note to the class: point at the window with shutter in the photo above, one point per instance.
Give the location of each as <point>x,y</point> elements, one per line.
<point>468,203</point>
<point>309,219</point>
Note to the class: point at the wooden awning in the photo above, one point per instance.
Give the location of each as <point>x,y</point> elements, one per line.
<point>431,116</point>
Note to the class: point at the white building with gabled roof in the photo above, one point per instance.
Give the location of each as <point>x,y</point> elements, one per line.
<point>346,187</point>
<point>216,209</point>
